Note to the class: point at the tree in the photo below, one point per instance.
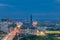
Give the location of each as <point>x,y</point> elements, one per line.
<point>34,37</point>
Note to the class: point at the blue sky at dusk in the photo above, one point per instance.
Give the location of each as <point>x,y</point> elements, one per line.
<point>40,9</point>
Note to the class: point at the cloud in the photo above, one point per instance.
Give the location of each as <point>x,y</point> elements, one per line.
<point>57,1</point>
<point>5,5</point>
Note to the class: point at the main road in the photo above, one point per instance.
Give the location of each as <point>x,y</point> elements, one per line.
<point>12,34</point>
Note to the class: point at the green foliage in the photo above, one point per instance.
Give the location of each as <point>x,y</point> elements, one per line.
<point>34,37</point>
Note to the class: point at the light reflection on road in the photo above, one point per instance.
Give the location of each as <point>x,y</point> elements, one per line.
<point>12,34</point>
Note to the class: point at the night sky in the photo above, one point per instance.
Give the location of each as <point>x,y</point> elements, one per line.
<point>40,9</point>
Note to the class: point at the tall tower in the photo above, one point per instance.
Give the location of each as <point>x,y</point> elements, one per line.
<point>31,19</point>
